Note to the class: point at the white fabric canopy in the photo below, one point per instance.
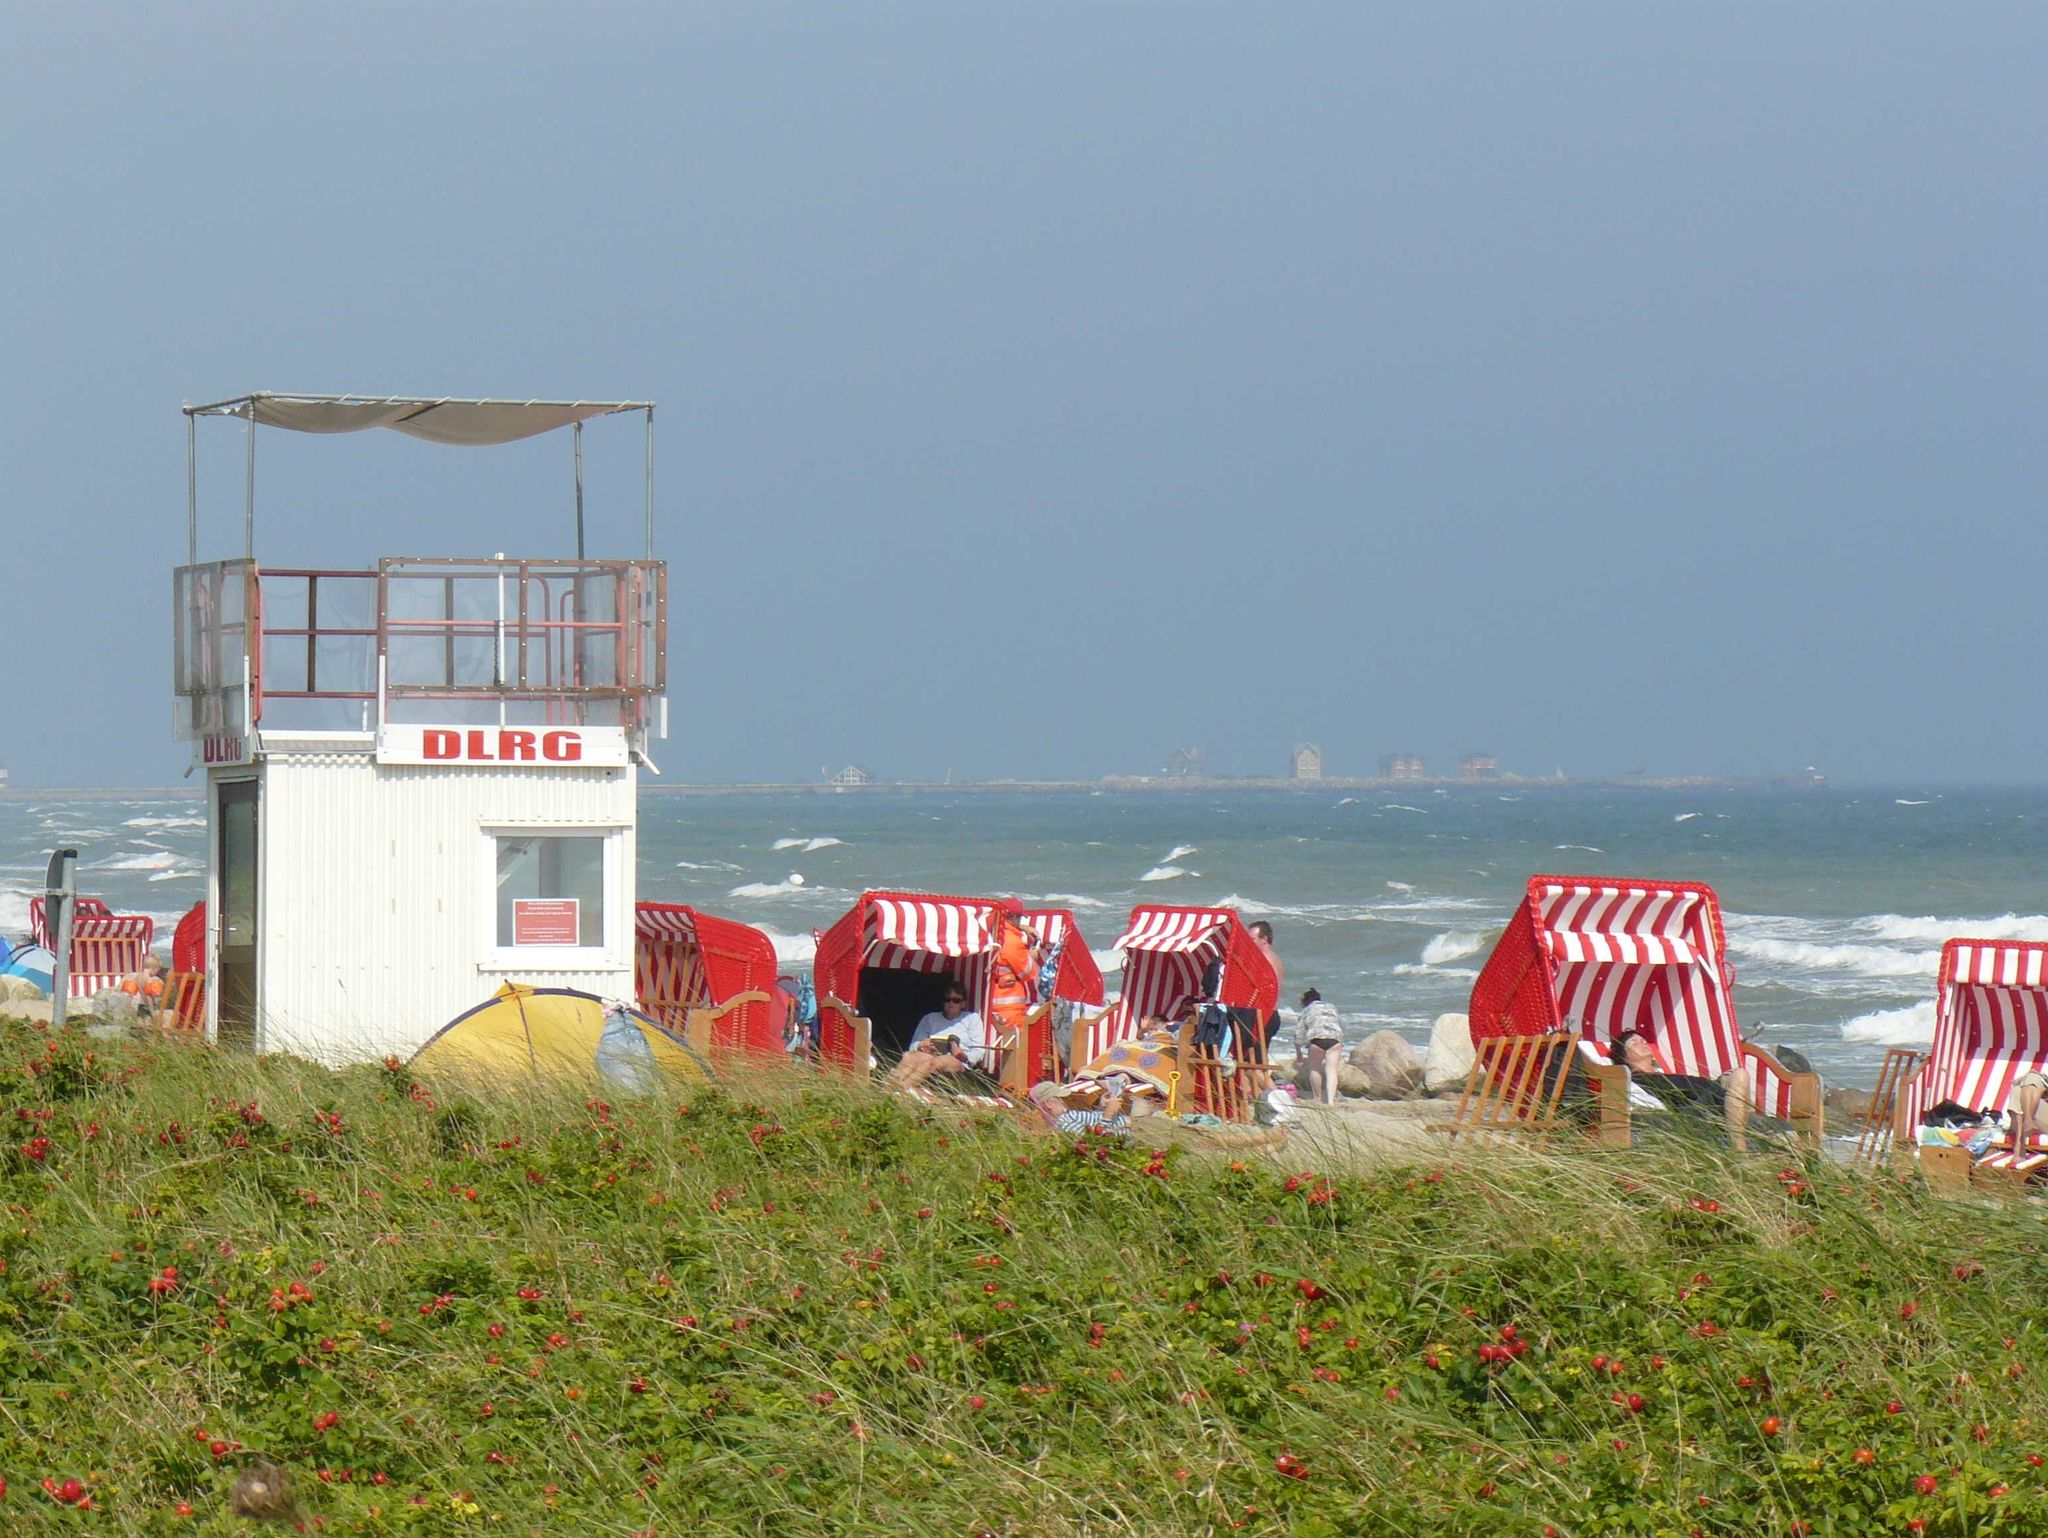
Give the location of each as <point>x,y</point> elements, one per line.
<point>465,423</point>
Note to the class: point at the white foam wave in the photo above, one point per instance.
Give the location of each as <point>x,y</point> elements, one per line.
<point>1912,1026</point>
<point>175,875</point>
<point>1901,801</point>
<point>165,822</point>
<point>793,950</point>
<point>1348,801</point>
<point>161,859</point>
<point>806,844</point>
<point>1583,848</point>
<point>1399,886</point>
<point>1073,900</point>
<point>783,888</point>
<point>722,865</point>
<point>1166,873</point>
<point>1933,931</point>
<point>1858,960</point>
<point>1109,960</point>
<point>1418,810</point>
<point>1416,969</point>
<point>1454,946</point>
<point>1179,852</point>
<point>1685,816</point>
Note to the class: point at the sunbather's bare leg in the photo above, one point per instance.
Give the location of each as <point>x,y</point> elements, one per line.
<point>1737,1107</point>
<point>2026,1106</point>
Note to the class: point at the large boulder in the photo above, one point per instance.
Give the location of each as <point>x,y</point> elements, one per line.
<point>1391,1067</point>
<point>18,988</point>
<point>1449,1059</point>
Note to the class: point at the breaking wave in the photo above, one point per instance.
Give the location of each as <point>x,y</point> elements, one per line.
<point>1911,1026</point>
<point>1454,946</point>
<point>1932,931</point>
<point>784,888</point>
<point>1179,852</point>
<point>1417,810</point>
<point>1857,960</point>
<point>793,949</point>
<point>1420,969</point>
<point>1166,873</point>
<point>807,845</point>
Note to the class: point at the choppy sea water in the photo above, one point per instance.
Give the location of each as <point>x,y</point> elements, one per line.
<point>1837,901</point>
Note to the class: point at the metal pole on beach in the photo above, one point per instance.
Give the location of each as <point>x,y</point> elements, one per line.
<point>59,883</point>
<point>576,432</point>
<point>650,483</point>
<point>191,489</point>
<point>249,501</point>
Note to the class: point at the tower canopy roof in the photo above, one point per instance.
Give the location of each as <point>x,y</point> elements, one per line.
<point>464,423</point>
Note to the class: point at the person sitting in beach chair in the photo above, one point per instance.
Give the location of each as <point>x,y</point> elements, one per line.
<point>950,1040</point>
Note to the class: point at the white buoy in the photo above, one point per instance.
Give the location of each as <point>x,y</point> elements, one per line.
<point>796,878</point>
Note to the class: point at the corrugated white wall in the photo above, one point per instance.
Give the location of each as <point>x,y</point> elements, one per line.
<point>376,897</point>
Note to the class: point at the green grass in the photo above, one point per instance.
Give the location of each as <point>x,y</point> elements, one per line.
<point>830,1313</point>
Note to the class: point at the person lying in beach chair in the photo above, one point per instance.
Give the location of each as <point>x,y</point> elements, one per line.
<point>1101,1109</point>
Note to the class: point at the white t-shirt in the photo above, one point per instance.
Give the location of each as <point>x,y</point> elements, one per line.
<point>967,1026</point>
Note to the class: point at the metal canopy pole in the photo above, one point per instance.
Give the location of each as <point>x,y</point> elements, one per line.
<point>650,483</point>
<point>576,432</point>
<point>191,489</point>
<point>249,505</point>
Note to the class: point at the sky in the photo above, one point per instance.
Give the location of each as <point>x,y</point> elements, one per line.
<point>1604,386</point>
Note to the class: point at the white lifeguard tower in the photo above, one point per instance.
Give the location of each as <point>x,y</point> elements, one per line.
<point>421,774</point>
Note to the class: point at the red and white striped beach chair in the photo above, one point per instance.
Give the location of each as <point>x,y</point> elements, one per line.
<point>708,981</point>
<point>105,946</point>
<point>1597,955</point>
<point>926,935</point>
<point>1990,1027</point>
<point>1166,951</point>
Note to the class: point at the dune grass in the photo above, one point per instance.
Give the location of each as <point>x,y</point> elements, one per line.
<point>824,1312</point>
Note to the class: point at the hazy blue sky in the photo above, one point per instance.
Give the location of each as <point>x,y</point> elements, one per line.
<point>1608,386</point>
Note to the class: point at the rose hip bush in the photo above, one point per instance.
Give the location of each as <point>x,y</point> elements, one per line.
<point>450,1310</point>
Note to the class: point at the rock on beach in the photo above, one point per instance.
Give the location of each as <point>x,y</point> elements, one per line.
<point>1390,1067</point>
<point>1450,1055</point>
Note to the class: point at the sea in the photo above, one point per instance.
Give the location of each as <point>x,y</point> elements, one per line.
<point>1837,900</point>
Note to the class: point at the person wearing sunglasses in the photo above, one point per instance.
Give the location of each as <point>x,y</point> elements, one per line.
<point>951,1039</point>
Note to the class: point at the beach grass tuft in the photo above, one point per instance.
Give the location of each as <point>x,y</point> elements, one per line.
<point>240,1295</point>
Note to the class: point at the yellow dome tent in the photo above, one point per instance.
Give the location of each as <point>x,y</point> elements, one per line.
<point>561,1033</point>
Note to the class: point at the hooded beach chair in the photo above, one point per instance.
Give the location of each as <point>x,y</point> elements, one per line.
<point>879,967</point>
<point>1594,956</point>
<point>1990,1027</point>
<point>710,981</point>
<point>105,946</point>
<point>1176,960</point>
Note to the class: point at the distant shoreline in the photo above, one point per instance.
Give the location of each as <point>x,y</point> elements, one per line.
<point>1118,784</point>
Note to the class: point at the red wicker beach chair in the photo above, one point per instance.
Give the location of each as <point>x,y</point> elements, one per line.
<point>1595,955</point>
<point>105,946</point>
<point>1990,1027</point>
<point>708,981</point>
<point>1167,950</point>
<point>878,968</point>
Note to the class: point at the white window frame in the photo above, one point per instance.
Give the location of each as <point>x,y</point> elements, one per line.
<point>604,957</point>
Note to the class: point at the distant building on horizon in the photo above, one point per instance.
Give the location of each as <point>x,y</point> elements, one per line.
<point>1185,763</point>
<point>1403,766</point>
<point>852,774</point>
<point>1307,762</point>
<point>1478,766</point>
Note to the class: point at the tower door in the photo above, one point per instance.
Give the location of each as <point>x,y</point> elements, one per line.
<point>235,965</point>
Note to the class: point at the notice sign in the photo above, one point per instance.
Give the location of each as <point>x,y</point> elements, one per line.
<point>546,921</point>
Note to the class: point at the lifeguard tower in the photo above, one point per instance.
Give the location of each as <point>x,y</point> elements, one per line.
<point>421,773</point>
